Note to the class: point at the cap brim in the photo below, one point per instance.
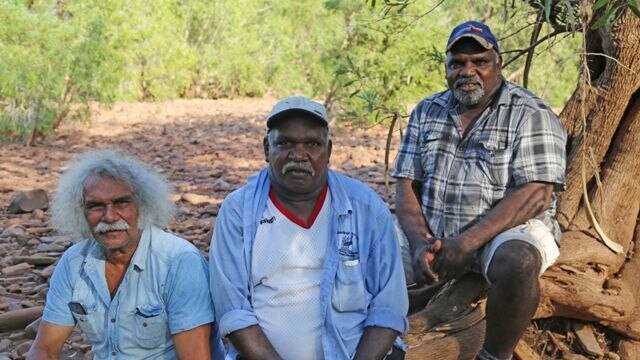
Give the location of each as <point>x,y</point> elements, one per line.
<point>278,116</point>
<point>479,39</point>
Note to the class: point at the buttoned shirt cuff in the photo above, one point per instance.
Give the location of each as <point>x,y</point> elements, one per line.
<point>387,318</point>
<point>557,181</point>
<point>236,320</point>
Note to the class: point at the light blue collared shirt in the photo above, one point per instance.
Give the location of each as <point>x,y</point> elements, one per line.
<point>164,292</point>
<point>362,282</point>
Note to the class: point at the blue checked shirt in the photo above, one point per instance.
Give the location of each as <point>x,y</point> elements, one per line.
<point>362,282</point>
<point>164,292</point>
<point>516,140</point>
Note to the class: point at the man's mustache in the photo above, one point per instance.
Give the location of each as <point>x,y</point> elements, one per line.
<point>298,166</point>
<point>104,227</point>
<point>464,81</point>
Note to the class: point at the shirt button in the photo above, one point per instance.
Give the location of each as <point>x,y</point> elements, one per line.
<point>113,320</point>
<point>113,353</point>
<point>144,324</point>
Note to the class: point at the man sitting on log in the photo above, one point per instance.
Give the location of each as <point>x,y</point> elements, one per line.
<point>477,169</point>
<point>135,291</point>
<point>305,263</point>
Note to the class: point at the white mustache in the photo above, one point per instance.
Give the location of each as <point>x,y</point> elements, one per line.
<point>104,227</point>
<point>463,81</point>
<point>298,165</point>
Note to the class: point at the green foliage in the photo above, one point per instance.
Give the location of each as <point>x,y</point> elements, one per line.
<point>368,59</point>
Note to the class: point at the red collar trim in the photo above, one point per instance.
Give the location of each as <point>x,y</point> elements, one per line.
<point>295,219</point>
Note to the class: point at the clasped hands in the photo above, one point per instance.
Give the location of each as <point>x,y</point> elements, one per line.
<point>441,259</point>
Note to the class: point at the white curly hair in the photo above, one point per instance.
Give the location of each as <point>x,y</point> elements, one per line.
<point>152,192</point>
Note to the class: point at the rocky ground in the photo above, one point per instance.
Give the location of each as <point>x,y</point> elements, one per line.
<point>206,149</point>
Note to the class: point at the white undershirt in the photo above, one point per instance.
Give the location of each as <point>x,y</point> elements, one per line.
<point>286,270</point>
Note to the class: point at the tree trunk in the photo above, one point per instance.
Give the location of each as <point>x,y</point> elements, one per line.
<point>589,281</point>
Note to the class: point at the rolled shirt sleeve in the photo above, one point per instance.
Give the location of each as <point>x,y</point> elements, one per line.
<point>229,277</point>
<point>539,150</point>
<point>188,299</point>
<point>56,310</point>
<point>409,160</point>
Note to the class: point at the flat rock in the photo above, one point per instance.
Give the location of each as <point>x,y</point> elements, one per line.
<point>35,260</point>
<point>4,344</point>
<point>27,201</point>
<point>14,231</point>
<point>18,319</point>
<point>16,269</point>
<point>195,199</point>
<point>587,339</point>
<point>50,247</point>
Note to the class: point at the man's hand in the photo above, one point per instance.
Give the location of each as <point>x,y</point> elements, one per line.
<point>454,258</point>
<point>422,258</point>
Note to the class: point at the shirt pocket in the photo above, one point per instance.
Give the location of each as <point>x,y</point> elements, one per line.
<point>91,323</point>
<point>151,326</point>
<point>492,161</point>
<point>429,153</point>
<point>349,292</point>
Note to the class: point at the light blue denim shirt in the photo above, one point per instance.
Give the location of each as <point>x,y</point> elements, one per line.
<point>164,292</point>
<point>362,283</point>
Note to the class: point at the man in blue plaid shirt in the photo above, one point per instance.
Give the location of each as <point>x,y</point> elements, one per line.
<point>477,173</point>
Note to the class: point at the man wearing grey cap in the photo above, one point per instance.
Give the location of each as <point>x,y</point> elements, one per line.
<point>477,173</point>
<point>304,261</point>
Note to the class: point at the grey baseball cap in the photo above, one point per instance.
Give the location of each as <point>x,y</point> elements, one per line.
<point>297,103</point>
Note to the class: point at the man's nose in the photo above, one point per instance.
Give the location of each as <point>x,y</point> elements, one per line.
<point>110,215</point>
<point>298,152</point>
<point>468,70</point>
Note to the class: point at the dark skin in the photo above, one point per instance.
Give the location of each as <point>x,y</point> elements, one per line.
<point>514,293</point>
<point>301,138</point>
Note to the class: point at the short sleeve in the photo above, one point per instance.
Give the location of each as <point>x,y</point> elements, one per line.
<point>539,150</point>
<point>188,299</point>
<point>56,309</point>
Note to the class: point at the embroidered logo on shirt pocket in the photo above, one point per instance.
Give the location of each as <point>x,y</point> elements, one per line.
<point>348,290</point>
<point>89,320</point>
<point>151,326</point>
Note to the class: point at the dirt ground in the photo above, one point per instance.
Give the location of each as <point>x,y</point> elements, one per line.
<point>205,148</point>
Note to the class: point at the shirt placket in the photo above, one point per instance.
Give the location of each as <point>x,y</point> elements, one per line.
<point>452,168</point>
<point>113,311</point>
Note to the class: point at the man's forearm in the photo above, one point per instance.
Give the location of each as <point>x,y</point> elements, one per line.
<point>252,344</point>
<point>410,214</point>
<point>375,343</point>
<point>522,204</point>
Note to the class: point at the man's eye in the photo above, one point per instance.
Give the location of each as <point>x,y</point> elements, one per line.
<point>120,204</point>
<point>95,207</point>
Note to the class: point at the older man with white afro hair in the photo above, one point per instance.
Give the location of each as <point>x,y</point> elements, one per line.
<point>135,291</point>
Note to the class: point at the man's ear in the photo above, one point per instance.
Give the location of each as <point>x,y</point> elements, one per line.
<point>265,147</point>
<point>329,146</point>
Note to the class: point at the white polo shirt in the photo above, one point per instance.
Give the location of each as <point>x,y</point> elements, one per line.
<point>286,268</point>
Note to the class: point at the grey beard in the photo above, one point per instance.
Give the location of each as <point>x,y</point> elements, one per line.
<point>468,98</point>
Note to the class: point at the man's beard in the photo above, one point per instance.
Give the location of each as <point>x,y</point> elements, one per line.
<point>468,98</point>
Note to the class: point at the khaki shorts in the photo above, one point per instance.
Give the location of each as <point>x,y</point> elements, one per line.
<point>534,232</point>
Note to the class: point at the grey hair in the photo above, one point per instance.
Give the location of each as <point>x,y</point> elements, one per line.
<point>152,192</point>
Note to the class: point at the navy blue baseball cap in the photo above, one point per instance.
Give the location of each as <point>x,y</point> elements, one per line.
<point>476,30</point>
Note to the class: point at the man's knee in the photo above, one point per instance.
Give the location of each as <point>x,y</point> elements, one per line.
<point>515,261</point>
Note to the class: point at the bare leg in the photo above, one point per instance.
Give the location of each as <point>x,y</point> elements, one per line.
<point>513,296</point>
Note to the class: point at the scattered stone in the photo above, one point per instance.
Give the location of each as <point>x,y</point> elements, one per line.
<point>4,344</point>
<point>39,230</point>
<point>16,269</point>
<point>27,201</point>
<point>587,339</point>
<point>23,347</point>
<point>38,214</point>
<point>195,199</point>
<point>46,272</point>
<point>211,209</point>
<point>221,185</point>
<point>18,319</point>
<point>19,335</point>
<point>14,232</point>
<point>50,247</point>
<point>35,260</point>
<point>32,329</point>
